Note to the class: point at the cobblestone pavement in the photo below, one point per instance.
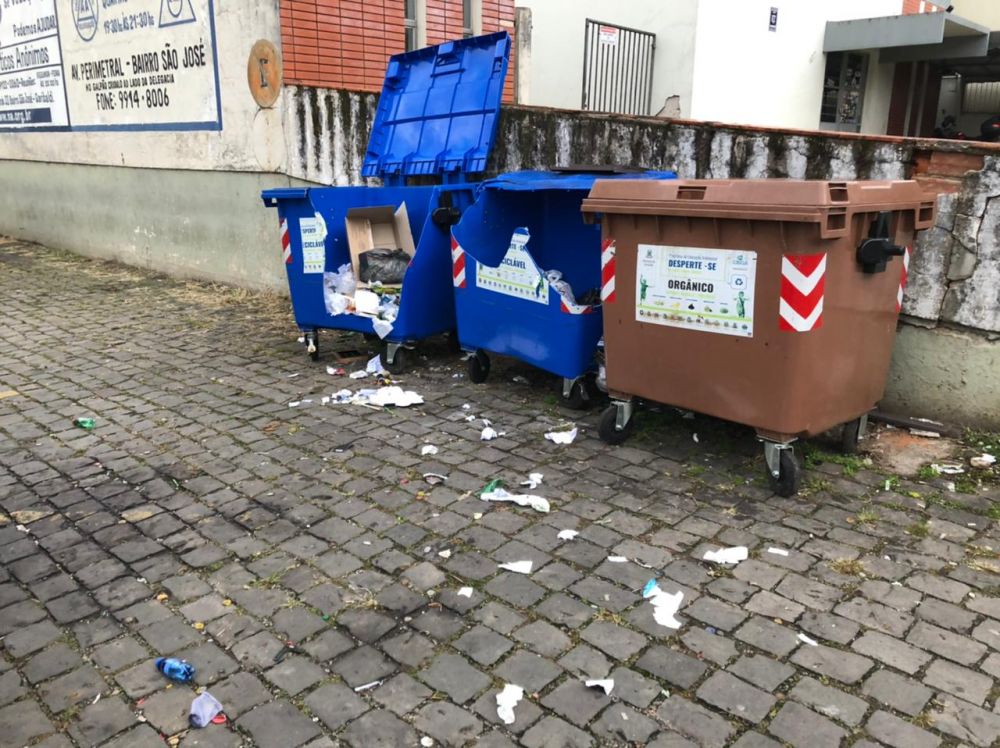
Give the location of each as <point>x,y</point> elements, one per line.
<point>206,519</point>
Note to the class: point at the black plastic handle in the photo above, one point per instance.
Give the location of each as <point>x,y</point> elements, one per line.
<point>875,251</point>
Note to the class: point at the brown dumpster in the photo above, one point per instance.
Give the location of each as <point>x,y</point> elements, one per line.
<point>772,303</point>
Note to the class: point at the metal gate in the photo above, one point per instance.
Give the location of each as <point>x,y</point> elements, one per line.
<point>617,68</point>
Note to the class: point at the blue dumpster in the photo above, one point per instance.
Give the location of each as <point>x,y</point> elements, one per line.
<point>436,120</point>
<point>526,271</point>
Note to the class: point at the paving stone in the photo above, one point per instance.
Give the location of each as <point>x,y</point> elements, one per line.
<point>367,625</point>
<point>295,674</point>
<point>142,736</point>
<point>553,732</point>
<point>945,615</point>
<point>715,613</point>
<point>966,722</point>
<point>706,728</point>
<point>19,615</point>
<point>483,645</point>
<point>960,649</point>
<point>563,610</point>
<point>633,688</point>
<point>401,694</point>
<point>297,624</point>
<point>51,662</point>
<point>759,574</point>
<point>185,587</point>
<point>733,695</point>
<point>834,663</point>
<point>363,665</point>
<point>67,690</point>
<point>400,600</point>
<point>169,635</point>
<point>768,636</point>
<point>168,710</point>
<point>620,643</point>
<point>23,722</point>
<point>671,666</point>
<point>280,725</point>
<point>716,647</point>
<point>939,587</point>
<point>258,650</point>
<point>12,687</point>
<point>424,576</point>
<point>803,728</point>
<point>102,721</point>
<point>830,702</point>
<point>120,653</point>
<point>808,592</point>
<point>962,682</point>
<point>755,740</point>
<point>897,597</point>
<point>529,670</point>
<point>140,680</point>
<point>408,648</point>
<point>447,724</point>
<point>576,703</point>
<point>379,729</point>
<point>441,625</point>
<point>620,723</point>
<point>452,675</point>
<point>891,651</point>
<point>893,731</point>
<point>515,589</point>
<point>239,693</point>
<point>586,662</point>
<point>543,638</point>
<point>762,672</point>
<point>829,626</point>
<point>28,639</point>
<point>335,705</point>
<point>875,615</point>
<point>902,694</point>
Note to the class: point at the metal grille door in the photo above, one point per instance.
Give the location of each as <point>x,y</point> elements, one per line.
<point>617,69</point>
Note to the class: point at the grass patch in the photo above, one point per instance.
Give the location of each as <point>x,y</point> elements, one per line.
<point>850,464</point>
<point>866,517</point>
<point>926,472</point>
<point>980,551</point>
<point>924,720</point>
<point>919,529</point>
<point>848,567</point>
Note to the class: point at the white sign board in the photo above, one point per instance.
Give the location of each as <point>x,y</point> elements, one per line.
<point>108,65</point>
<point>313,244</point>
<point>608,35</point>
<point>710,290</point>
<point>516,275</point>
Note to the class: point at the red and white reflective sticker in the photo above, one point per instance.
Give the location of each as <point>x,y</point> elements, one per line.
<point>575,308</point>
<point>457,264</point>
<point>608,271</point>
<point>286,241</point>
<point>803,281</point>
<point>904,274</point>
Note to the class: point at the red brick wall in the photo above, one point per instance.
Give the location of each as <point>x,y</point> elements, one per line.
<point>346,43</point>
<point>920,6</point>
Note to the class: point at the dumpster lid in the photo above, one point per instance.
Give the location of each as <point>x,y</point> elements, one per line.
<point>530,181</point>
<point>273,196</point>
<point>812,201</point>
<point>439,108</point>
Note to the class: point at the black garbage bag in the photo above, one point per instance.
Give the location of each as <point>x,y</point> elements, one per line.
<point>387,266</point>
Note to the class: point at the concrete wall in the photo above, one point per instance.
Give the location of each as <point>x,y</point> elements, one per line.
<point>745,73</point>
<point>250,139</point>
<point>554,67</point>
<point>983,12</point>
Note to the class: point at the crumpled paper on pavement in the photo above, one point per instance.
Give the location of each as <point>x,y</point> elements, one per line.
<point>500,494</point>
<point>506,701</point>
<point>562,437</point>
<point>381,397</point>
<point>665,605</point>
<point>728,555</point>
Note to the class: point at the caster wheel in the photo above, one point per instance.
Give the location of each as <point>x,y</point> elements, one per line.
<point>850,438</point>
<point>789,475</point>
<point>579,396</point>
<point>399,362</point>
<point>479,367</point>
<point>606,427</point>
<point>371,338</point>
<point>312,344</point>
<point>453,345</point>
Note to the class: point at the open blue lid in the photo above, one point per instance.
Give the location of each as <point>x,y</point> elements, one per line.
<point>439,109</point>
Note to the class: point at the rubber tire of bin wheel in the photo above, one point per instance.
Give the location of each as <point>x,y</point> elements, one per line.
<point>850,437</point>
<point>789,475</point>
<point>399,361</point>
<point>314,355</point>
<point>479,367</point>
<point>606,427</point>
<point>579,396</point>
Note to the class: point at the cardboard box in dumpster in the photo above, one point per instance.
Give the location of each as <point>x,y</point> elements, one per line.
<point>379,227</point>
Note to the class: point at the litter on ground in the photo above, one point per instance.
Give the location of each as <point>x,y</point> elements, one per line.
<point>606,684</point>
<point>498,493</point>
<point>534,480</point>
<point>519,567</point>
<point>562,437</point>
<point>506,701</point>
<point>727,555</point>
<point>665,605</point>
<point>567,534</point>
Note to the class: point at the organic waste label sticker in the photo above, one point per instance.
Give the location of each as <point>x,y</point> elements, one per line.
<point>516,275</point>
<point>313,245</point>
<point>710,290</point>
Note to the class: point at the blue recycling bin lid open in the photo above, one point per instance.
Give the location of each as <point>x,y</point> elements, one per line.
<point>438,111</point>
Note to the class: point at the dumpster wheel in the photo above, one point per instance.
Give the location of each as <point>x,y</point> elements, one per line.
<point>786,483</point>
<point>853,433</point>
<point>312,344</point>
<point>479,367</point>
<point>400,360</point>
<point>580,393</point>
<point>607,427</point>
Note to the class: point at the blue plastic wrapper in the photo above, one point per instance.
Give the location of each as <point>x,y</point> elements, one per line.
<point>178,670</point>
